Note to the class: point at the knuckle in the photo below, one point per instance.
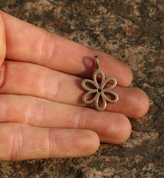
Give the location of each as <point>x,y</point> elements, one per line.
<point>81,119</point>
<point>35,114</point>
<point>47,51</point>
<point>51,85</point>
<point>52,144</point>
<point>17,143</point>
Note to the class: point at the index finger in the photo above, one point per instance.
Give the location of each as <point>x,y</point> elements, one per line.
<point>29,43</point>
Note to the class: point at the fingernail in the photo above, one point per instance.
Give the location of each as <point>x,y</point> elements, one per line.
<point>2,74</point>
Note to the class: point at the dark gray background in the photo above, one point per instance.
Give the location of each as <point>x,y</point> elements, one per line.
<point>132,31</point>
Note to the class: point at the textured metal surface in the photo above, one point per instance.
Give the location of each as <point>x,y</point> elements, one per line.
<point>132,31</point>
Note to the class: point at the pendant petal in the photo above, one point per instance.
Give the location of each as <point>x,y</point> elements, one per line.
<point>107,80</point>
<point>97,103</point>
<point>102,77</point>
<point>83,84</point>
<point>108,99</point>
<point>92,100</point>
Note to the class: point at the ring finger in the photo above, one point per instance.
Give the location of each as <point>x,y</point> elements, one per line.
<point>111,127</point>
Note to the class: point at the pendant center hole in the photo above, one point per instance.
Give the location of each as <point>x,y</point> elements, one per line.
<point>99,90</point>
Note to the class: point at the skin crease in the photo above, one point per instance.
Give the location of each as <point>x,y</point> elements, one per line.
<point>41,111</point>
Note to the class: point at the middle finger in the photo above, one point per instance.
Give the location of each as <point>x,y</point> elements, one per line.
<point>34,80</point>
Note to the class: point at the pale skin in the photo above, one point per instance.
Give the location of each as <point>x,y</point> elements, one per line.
<point>41,110</point>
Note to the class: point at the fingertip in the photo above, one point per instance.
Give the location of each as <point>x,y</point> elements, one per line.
<point>145,104</point>
<point>72,143</point>
<point>141,101</point>
<point>128,77</point>
<point>122,129</point>
<point>90,142</point>
<point>117,130</point>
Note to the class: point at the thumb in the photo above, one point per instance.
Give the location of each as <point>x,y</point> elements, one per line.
<point>2,41</point>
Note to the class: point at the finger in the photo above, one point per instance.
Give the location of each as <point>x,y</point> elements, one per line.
<point>22,142</point>
<point>111,127</point>
<point>29,79</point>
<point>2,41</point>
<point>29,43</point>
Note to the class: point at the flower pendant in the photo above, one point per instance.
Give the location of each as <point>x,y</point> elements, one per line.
<point>99,89</point>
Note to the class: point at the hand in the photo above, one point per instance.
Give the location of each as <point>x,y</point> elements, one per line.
<point>41,110</point>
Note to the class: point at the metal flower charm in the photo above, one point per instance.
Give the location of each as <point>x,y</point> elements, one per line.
<point>99,89</point>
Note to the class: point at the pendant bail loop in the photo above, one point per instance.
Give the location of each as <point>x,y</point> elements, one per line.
<point>97,62</point>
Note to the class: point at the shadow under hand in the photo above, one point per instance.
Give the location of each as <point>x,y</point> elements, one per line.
<point>89,65</point>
